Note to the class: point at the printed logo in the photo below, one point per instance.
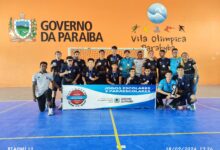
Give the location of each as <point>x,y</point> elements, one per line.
<point>22,30</point>
<point>117,100</point>
<point>77,97</point>
<point>157,13</point>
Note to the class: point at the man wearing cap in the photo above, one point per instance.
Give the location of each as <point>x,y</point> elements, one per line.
<point>69,72</point>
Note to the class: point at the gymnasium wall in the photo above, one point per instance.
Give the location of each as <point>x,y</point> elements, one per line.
<point>119,22</point>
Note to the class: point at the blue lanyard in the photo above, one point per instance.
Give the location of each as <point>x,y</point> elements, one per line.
<point>90,73</point>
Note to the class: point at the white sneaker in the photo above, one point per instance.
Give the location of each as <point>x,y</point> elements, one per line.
<point>50,112</point>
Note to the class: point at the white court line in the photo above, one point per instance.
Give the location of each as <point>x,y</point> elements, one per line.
<point>5,101</point>
<point>109,135</point>
<point>11,108</point>
<point>210,107</point>
<point>209,98</point>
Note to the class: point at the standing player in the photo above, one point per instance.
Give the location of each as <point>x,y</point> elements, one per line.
<point>139,63</point>
<point>151,63</point>
<point>165,89</point>
<point>113,75</point>
<point>90,74</point>
<point>163,64</point>
<point>101,66</point>
<point>80,63</point>
<point>56,65</point>
<point>41,90</point>
<point>174,62</point>
<point>114,57</point>
<point>190,70</point>
<point>148,77</point>
<point>132,78</point>
<point>125,65</point>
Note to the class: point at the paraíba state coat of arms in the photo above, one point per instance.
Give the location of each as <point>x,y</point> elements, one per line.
<point>22,30</point>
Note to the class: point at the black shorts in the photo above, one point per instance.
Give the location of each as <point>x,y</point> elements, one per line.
<point>184,99</point>
<point>46,97</point>
<point>58,81</point>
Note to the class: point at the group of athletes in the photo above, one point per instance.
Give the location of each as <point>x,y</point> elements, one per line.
<point>177,77</point>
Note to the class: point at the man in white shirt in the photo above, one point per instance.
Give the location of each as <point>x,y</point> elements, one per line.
<point>138,62</point>
<point>41,91</point>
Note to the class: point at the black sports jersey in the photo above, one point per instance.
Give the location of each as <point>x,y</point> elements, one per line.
<point>57,65</point>
<point>113,59</point>
<point>152,64</point>
<point>188,67</point>
<point>150,79</point>
<point>73,72</point>
<point>113,76</point>
<point>87,74</point>
<point>101,65</point>
<point>163,66</point>
<point>184,85</point>
<point>135,80</point>
<point>80,63</point>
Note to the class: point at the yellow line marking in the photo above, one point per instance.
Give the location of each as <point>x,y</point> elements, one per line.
<point>213,108</point>
<point>115,130</point>
<point>108,135</point>
<point>11,108</point>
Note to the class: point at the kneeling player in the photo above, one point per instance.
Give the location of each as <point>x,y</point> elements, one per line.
<point>114,76</point>
<point>69,72</point>
<point>165,89</point>
<point>132,78</point>
<point>41,90</point>
<point>90,75</point>
<point>148,77</point>
<point>185,90</point>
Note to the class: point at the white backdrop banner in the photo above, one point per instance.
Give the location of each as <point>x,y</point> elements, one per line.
<point>108,96</point>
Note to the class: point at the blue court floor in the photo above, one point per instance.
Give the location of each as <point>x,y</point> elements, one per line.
<point>23,126</point>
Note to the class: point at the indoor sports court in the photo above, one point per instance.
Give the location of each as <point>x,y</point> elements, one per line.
<point>110,128</point>
<point>109,75</point>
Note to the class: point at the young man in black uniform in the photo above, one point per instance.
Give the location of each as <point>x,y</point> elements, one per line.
<point>114,57</point>
<point>151,63</point>
<point>69,72</point>
<point>114,75</point>
<point>56,65</point>
<point>184,91</point>
<point>190,70</point>
<point>80,63</point>
<point>90,74</point>
<point>132,79</point>
<point>148,77</point>
<point>101,66</point>
<point>163,64</point>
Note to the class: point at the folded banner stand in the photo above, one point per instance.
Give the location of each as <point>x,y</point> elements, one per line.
<point>108,96</point>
